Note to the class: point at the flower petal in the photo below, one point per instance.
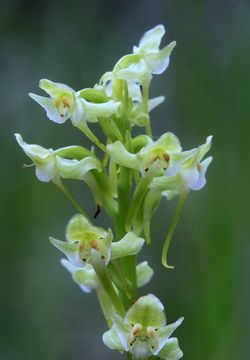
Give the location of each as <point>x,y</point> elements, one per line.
<point>171,350</point>
<point>54,89</point>
<point>203,149</point>
<point>43,159</point>
<point>74,169</point>
<point>85,277</point>
<point>165,332</point>
<point>153,103</point>
<point>151,40</point>
<point>121,156</point>
<point>122,328</point>
<point>144,273</point>
<point>73,152</point>
<point>51,110</point>
<point>130,244</point>
<point>93,95</point>
<point>70,250</point>
<point>138,72</point>
<point>169,142</point>
<point>201,181</point>
<point>134,91</point>
<point>92,111</point>
<point>112,341</point>
<point>158,62</point>
<point>76,227</point>
<point>147,311</point>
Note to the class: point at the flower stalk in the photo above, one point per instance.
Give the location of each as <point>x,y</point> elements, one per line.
<point>128,183</point>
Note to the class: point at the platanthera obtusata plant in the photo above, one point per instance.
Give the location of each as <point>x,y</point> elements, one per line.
<point>127,182</point>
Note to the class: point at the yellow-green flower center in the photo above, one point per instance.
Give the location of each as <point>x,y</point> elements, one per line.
<point>64,104</point>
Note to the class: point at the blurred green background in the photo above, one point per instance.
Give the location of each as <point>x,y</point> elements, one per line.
<point>43,314</point>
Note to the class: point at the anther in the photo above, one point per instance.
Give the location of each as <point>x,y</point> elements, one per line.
<point>136,329</point>
<point>166,157</point>
<point>93,244</point>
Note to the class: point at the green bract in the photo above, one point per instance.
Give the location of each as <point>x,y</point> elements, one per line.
<point>87,243</point>
<point>143,331</point>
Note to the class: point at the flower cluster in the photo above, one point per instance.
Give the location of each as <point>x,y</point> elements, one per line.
<point>127,182</point>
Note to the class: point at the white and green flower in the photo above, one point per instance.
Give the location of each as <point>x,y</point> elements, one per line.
<point>143,331</point>
<point>71,162</point>
<point>190,175</point>
<point>62,104</point>
<point>157,60</point>
<point>81,107</point>
<point>146,59</point>
<point>165,154</point>
<point>86,243</point>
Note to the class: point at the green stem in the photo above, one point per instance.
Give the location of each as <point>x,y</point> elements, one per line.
<point>127,264</point>
<point>87,132</point>
<point>171,230</point>
<point>103,276</point>
<point>151,202</point>
<point>139,194</point>
<point>105,305</point>
<point>145,94</point>
<point>120,281</point>
<point>66,192</point>
<point>124,182</point>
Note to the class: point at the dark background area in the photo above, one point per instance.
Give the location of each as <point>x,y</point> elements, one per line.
<point>43,314</point>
